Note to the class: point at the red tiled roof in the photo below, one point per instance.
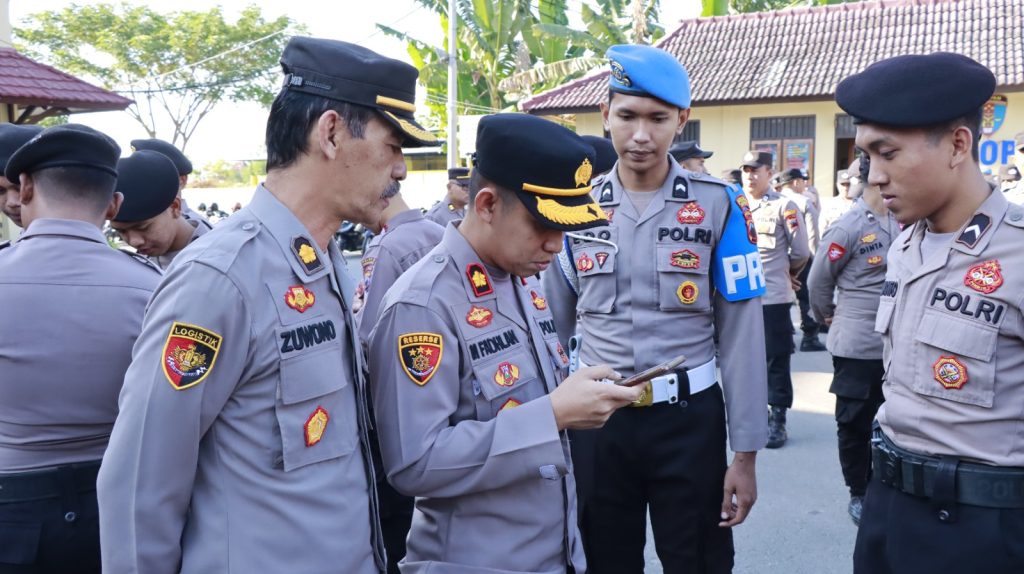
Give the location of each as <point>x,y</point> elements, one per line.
<point>25,82</point>
<point>802,53</point>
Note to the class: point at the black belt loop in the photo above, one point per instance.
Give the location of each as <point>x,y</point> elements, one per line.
<point>684,385</point>
<point>68,492</point>
<point>944,489</point>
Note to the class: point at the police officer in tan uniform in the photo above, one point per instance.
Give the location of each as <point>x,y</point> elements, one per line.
<point>782,242</point>
<point>947,492</point>
<point>241,443</point>
<point>453,206</point>
<point>676,261</point>
<point>791,185</point>
<point>73,308</point>
<point>151,217</point>
<point>467,370</point>
<point>845,285</point>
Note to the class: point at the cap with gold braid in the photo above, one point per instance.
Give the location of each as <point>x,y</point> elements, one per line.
<point>351,73</point>
<point>547,166</point>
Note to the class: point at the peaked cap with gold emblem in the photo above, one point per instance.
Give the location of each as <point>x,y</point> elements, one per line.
<point>350,73</point>
<point>548,167</point>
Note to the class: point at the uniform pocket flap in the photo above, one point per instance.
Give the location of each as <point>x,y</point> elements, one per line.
<point>959,336</point>
<point>884,316</point>
<point>499,376</point>
<point>313,375</point>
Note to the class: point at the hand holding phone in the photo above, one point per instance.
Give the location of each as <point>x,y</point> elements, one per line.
<point>663,369</point>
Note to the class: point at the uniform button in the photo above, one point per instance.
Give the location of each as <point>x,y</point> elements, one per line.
<point>943,515</point>
<point>70,517</point>
<point>684,404</point>
<point>439,259</point>
<point>248,226</point>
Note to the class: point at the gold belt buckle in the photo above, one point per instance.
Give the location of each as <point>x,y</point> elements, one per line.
<point>646,397</point>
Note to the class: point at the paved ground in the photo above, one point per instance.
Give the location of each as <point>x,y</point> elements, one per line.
<point>799,524</point>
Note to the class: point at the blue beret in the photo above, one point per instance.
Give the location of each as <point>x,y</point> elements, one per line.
<point>648,71</point>
<point>914,91</point>
<point>68,145</point>
<point>12,137</point>
<point>606,156</point>
<point>149,182</point>
<point>181,163</point>
<point>350,73</point>
<point>547,166</point>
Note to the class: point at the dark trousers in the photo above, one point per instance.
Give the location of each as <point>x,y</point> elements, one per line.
<point>808,325</point>
<point>901,534</point>
<point>49,522</point>
<point>395,510</point>
<point>778,341</point>
<point>857,384</point>
<point>670,459</point>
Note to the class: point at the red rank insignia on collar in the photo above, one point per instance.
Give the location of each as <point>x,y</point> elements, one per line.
<point>479,281</point>
<point>984,277</point>
<point>300,298</point>
<point>539,302</point>
<point>479,316</point>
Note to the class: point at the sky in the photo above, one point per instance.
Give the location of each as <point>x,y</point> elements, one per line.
<point>235,131</point>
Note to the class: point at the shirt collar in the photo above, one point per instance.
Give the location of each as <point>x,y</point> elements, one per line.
<point>65,227</point>
<point>296,242</point>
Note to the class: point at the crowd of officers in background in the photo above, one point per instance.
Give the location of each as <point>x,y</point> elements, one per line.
<point>227,399</point>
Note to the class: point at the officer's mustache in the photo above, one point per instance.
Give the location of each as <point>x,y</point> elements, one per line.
<point>391,190</point>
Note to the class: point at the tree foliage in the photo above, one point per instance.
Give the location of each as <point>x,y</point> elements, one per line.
<point>725,7</point>
<point>176,66</point>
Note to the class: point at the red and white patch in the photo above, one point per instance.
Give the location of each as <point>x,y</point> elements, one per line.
<point>507,374</point>
<point>300,298</point>
<point>561,354</point>
<point>316,425</point>
<point>420,355</point>
<point>685,259</point>
<point>690,214</point>
<point>835,252</point>
<point>540,303</point>
<point>584,263</point>
<point>985,277</point>
<point>479,317</point>
<point>602,257</point>
<point>950,372</point>
<point>792,219</point>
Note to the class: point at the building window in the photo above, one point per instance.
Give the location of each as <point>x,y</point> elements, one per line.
<point>790,140</point>
<point>691,132</point>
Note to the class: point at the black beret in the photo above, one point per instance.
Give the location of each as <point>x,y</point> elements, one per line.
<point>606,156</point>
<point>69,145</point>
<point>181,163</point>
<point>686,150</point>
<point>12,137</point>
<point>791,174</point>
<point>350,73</point>
<point>914,91</point>
<point>548,166</point>
<point>149,182</point>
<point>757,158</point>
<point>459,174</point>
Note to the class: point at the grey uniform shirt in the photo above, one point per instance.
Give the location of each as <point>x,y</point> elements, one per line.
<point>409,236</point>
<point>199,229</point>
<point>193,215</point>
<point>444,212</point>
<point>240,445</point>
<point>72,308</point>
<point>652,298</point>
<point>782,243</point>
<point>462,362</point>
<point>954,340</point>
<point>809,214</point>
<point>846,279</point>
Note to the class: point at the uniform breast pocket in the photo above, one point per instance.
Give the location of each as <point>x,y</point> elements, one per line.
<point>683,277</point>
<point>316,410</point>
<point>505,382</point>
<point>956,359</point>
<point>766,234</point>
<point>884,317</point>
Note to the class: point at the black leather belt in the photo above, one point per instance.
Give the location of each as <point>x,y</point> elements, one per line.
<point>43,484</point>
<point>924,476</point>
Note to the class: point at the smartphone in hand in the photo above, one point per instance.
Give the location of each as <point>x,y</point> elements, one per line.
<point>663,369</point>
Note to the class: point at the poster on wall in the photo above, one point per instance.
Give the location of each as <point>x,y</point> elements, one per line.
<point>799,154</point>
<point>993,114</point>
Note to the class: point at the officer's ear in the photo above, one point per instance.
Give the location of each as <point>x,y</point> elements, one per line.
<point>604,115</point>
<point>684,115</point>
<point>485,203</point>
<point>329,134</point>
<point>963,144</point>
<point>114,206</point>
<point>28,188</point>
<point>176,207</point>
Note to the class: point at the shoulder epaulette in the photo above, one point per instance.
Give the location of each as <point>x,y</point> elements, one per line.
<point>143,259</point>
